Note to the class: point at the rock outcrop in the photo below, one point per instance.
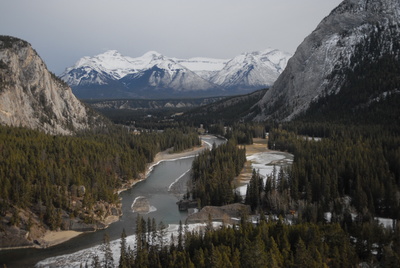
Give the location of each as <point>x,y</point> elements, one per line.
<point>356,31</point>
<point>33,97</point>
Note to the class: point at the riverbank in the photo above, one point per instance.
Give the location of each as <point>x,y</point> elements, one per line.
<point>52,238</point>
<point>263,160</point>
<point>259,146</point>
<point>167,155</point>
<point>164,156</point>
<point>49,239</point>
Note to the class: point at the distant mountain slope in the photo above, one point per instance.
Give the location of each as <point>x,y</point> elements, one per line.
<point>335,60</point>
<point>111,75</point>
<point>254,70</point>
<point>33,97</point>
<point>151,104</point>
<point>229,110</point>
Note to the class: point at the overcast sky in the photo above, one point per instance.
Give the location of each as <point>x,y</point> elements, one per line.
<point>63,31</point>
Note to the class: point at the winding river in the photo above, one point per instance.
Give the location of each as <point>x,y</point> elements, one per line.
<point>160,189</point>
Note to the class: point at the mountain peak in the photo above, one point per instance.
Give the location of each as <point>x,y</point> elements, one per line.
<point>32,97</point>
<point>355,31</point>
<point>153,70</point>
<point>152,55</point>
<point>376,6</point>
<point>111,52</point>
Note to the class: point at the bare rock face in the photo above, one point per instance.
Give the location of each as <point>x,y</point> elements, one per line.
<point>31,96</point>
<point>339,43</point>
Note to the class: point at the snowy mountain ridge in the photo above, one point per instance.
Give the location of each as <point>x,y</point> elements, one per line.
<point>140,76</point>
<point>255,69</point>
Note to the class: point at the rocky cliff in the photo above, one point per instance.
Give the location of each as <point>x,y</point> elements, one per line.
<point>33,97</point>
<point>356,32</point>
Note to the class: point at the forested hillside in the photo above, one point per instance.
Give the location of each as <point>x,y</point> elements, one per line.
<point>229,111</point>
<point>328,204</point>
<point>58,178</point>
<point>371,95</point>
<point>361,163</point>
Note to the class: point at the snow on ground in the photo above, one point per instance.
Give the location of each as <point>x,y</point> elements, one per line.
<point>387,223</point>
<point>264,163</point>
<point>85,256</point>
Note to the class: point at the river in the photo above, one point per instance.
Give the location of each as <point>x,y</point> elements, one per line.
<point>155,189</point>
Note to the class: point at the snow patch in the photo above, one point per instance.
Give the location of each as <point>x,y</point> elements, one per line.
<point>85,256</point>
<point>264,163</point>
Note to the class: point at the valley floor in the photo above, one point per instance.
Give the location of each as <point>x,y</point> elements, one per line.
<point>52,238</point>
<point>263,160</point>
<point>259,146</point>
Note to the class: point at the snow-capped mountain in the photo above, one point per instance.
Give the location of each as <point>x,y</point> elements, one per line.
<point>204,67</point>
<point>357,33</point>
<point>252,70</point>
<point>109,65</point>
<point>112,75</point>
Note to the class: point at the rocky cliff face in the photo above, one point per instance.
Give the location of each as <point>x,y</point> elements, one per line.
<point>32,97</point>
<point>356,31</point>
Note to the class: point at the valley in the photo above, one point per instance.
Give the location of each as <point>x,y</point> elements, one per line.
<point>262,160</point>
<point>163,171</point>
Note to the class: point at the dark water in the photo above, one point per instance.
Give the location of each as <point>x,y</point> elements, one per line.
<point>154,188</point>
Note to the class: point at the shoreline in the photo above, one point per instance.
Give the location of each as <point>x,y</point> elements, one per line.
<point>255,155</point>
<point>164,156</point>
<point>259,146</point>
<point>49,239</point>
<point>52,238</point>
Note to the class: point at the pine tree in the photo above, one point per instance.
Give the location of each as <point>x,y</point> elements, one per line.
<point>108,256</point>
<point>303,257</point>
<point>124,259</point>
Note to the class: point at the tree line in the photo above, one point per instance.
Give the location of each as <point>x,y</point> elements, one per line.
<point>264,244</point>
<point>44,173</point>
<point>213,172</point>
<point>352,173</point>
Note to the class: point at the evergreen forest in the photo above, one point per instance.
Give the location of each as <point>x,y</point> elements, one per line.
<point>49,175</point>
<point>213,172</point>
<point>325,210</point>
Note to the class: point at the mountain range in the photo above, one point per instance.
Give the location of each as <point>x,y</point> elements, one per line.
<point>349,64</point>
<point>153,75</point>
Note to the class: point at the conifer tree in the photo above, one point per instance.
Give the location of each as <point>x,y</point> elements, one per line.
<point>108,256</point>
<point>124,259</point>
